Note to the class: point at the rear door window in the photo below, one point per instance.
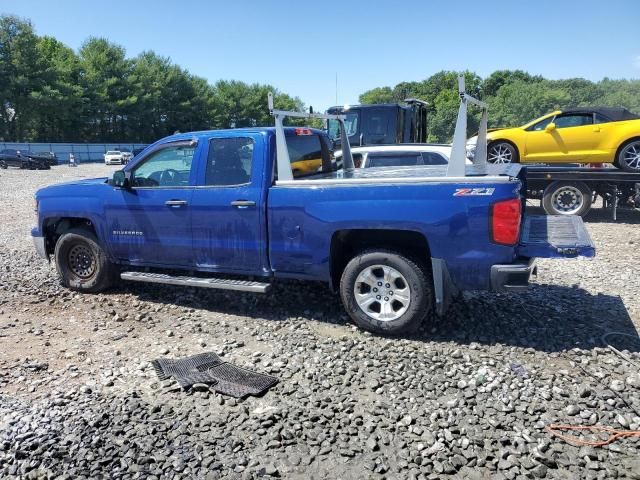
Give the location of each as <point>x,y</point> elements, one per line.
<point>229,161</point>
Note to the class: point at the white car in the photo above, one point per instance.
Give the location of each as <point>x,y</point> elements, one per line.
<point>113,157</point>
<point>400,155</point>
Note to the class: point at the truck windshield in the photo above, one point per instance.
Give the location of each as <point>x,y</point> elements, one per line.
<point>350,125</point>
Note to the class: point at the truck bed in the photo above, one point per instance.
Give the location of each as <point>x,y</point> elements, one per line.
<point>413,174</point>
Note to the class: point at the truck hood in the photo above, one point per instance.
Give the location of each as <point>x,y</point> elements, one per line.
<point>76,187</point>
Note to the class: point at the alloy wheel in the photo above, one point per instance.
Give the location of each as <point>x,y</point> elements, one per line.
<point>630,155</point>
<point>382,293</point>
<point>500,153</point>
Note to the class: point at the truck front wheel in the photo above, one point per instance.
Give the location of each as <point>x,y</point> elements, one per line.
<point>385,292</point>
<point>82,263</point>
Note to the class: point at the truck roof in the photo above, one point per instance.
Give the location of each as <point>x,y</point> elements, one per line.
<point>207,133</point>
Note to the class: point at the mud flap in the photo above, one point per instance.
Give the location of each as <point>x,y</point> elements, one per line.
<point>555,236</point>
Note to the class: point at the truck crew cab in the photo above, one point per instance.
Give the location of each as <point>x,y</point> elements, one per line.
<point>223,209</point>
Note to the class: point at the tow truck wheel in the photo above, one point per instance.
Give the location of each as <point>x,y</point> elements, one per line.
<point>567,198</point>
<point>82,263</point>
<point>628,158</point>
<point>386,292</point>
<point>502,152</point>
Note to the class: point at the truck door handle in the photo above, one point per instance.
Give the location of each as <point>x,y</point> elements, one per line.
<point>243,203</point>
<point>596,129</point>
<point>175,203</point>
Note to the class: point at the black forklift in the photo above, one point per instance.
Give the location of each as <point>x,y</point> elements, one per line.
<point>381,124</point>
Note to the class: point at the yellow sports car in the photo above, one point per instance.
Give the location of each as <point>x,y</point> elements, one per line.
<point>579,135</point>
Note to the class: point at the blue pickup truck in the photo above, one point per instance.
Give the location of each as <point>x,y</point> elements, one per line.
<point>211,209</point>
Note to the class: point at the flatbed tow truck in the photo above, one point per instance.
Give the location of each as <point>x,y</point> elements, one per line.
<point>573,189</point>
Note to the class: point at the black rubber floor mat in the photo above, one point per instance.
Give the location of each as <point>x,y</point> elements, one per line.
<point>188,371</point>
<point>209,368</point>
<point>239,382</point>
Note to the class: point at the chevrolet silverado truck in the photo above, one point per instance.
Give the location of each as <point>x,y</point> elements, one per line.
<point>223,209</point>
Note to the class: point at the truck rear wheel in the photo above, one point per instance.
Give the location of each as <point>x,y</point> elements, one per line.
<point>82,263</point>
<point>567,198</point>
<point>385,292</point>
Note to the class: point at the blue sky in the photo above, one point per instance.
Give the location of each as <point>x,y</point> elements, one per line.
<point>299,46</point>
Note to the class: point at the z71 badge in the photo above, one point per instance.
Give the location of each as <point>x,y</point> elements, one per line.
<point>463,192</point>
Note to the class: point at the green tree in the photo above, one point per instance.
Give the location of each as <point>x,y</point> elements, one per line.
<point>378,95</point>
<point>494,82</point>
<point>581,92</point>
<point>105,71</point>
<point>21,78</point>
<point>60,101</point>
<point>519,102</point>
<point>237,104</point>
<point>620,93</point>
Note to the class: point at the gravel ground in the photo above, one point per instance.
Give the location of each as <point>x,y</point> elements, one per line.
<point>467,397</point>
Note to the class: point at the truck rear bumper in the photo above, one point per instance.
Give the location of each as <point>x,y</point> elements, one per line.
<point>512,277</point>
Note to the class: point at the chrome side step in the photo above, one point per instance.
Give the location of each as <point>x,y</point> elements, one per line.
<point>220,283</point>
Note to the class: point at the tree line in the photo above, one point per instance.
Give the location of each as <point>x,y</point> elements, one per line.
<point>50,93</point>
<point>514,97</point>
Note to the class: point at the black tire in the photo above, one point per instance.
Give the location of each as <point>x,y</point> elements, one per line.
<point>628,149</point>
<point>3,165</point>
<point>82,263</point>
<point>567,198</point>
<point>418,280</point>
<point>502,149</point>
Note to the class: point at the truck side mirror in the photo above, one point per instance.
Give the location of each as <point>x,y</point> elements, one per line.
<point>120,179</point>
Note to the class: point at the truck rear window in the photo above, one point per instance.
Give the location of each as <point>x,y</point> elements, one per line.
<point>305,153</point>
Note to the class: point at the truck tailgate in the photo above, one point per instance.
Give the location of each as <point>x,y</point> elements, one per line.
<point>555,236</point>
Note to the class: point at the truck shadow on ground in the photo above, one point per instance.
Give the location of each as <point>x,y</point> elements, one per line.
<point>547,318</point>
